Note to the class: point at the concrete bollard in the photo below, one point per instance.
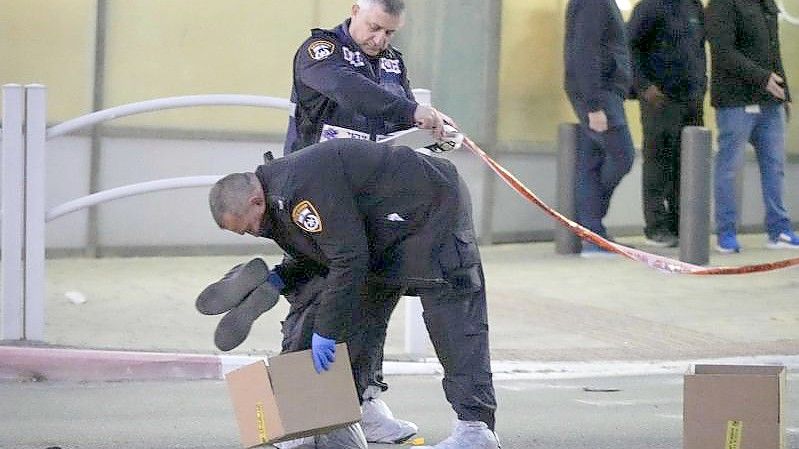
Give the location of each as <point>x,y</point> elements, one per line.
<point>566,242</point>
<point>695,179</point>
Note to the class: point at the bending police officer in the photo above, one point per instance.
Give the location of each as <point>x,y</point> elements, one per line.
<point>379,220</point>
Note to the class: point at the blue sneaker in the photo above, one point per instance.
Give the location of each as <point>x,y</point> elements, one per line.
<point>728,243</point>
<point>785,240</point>
<point>593,251</point>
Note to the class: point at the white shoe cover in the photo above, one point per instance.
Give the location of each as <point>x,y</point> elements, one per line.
<point>299,443</point>
<point>468,435</point>
<point>380,425</point>
<point>350,437</point>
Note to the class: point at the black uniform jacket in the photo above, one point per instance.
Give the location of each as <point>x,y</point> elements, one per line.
<point>360,208</point>
<point>337,84</point>
<point>667,40</point>
<point>745,49</point>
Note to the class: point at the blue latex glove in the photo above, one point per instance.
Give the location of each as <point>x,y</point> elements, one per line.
<point>276,281</point>
<point>323,351</point>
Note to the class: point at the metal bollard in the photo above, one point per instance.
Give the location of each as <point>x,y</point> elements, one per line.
<point>565,241</point>
<point>695,179</point>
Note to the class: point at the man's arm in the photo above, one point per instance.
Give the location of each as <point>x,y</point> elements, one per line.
<point>334,77</point>
<point>341,234</point>
<point>721,23</point>
<point>589,24</point>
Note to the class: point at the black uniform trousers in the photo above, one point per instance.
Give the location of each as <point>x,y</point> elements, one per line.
<point>660,180</point>
<point>455,314</point>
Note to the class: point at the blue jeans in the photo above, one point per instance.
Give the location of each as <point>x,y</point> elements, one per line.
<point>766,132</point>
<point>602,161</point>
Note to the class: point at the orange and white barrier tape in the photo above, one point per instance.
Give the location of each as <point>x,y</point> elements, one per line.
<point>661,263</point>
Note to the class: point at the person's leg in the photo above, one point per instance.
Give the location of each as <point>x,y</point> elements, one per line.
<point>735,126</point>
<point>458,328</point>
<point>768,138</point>
<point>371,321</point>
<point>655,169</point>
<point>456,318</point>
<point>617,148</point>
<point>297,328</point>
<point>588,187</point>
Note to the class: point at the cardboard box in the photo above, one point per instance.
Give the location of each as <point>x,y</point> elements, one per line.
<point>288,399</point>
<point>734,407</point>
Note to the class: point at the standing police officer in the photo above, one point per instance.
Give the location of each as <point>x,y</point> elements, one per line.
<point>351,79</point>
<point>349,82</point>
<point>378,220</point>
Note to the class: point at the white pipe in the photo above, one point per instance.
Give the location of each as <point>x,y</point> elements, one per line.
<point>36,128</point>
<point>158,104</point>
<point>13,212</point>
<point>788,17</point>
<point>130,190</point>
<point>416,335</point>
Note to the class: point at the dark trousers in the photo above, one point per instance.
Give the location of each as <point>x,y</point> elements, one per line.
<point>603,159</point>
<point>660,180</point>
<point>455,314</point>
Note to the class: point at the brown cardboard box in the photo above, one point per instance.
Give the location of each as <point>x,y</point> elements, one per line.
<point>734,407</point>
<point>288,399</point>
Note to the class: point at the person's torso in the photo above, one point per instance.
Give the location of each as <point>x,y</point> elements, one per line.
<point>611,48</point>
<point>756,37</point>
<point>314,109</point>
<point>674,54</point>
<point>397,194</point>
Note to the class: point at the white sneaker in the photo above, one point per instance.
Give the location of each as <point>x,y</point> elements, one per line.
<point>785,240</point>
<point>380,425</point>
<point>468,435</point>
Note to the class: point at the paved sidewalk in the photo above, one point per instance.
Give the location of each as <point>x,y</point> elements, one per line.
<point>543,308</point>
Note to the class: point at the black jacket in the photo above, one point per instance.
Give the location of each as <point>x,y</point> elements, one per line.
<point>336,84</point>
<point>360,208</point>
<point>745,50</point>
<point>667,42</point>
<point>596,53</point>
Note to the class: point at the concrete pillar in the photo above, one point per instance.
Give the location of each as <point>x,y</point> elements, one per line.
<point>695,181</point>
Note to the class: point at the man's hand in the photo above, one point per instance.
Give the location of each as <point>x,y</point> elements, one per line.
<point>774,86</point>
<point>598,121</point>
<point>427,117</point>
<point>653,95</point>
<point>449,121</point>
<point>323,351</point>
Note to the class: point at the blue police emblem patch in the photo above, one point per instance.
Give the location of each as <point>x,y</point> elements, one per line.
<point>321,49</point>
<point>306,217</point>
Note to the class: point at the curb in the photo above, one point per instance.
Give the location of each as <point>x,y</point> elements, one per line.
<point>85,365</point>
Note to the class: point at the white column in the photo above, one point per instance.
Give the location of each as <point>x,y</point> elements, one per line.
<point>35,186</point>
<point>13,212</point>
<point>416,336</point>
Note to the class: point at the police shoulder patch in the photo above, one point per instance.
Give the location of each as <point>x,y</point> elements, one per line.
<point>306,217</point>
<point>321,49</point>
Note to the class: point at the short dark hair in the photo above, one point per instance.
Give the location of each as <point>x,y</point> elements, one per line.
<point>391,7</point>
<point>230,195</point>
